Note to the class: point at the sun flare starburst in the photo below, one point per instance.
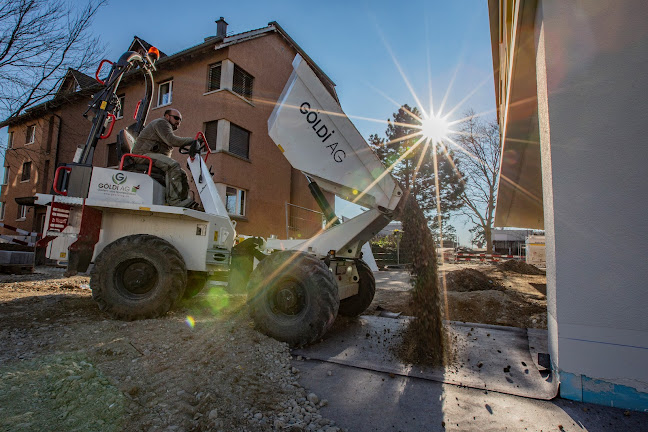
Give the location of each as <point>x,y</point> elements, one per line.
<point>436,128</point>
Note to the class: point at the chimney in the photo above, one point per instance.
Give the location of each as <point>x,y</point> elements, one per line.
<point>221,28</point>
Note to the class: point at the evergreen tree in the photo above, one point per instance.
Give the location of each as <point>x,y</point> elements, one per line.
<point>412,159</point>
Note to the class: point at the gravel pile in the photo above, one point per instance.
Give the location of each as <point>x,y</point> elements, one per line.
<point>65,366</point>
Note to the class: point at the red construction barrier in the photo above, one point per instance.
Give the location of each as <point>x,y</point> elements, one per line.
<point>482,257</point>
<point>19,231</point>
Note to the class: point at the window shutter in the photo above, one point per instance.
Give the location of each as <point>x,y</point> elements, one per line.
<point>242,82</point>
<point>239,143</point>
<point>211,133</point>
<point>214,77</point>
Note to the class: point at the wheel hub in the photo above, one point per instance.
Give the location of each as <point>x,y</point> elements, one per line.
<point>288,299</point>
<point>137,276</point>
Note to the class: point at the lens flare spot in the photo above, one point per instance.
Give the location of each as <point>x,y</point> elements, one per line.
<point>191,322</point>
<point>218,299</point>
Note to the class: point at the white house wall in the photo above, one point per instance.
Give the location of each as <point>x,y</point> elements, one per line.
<point>592,60</point>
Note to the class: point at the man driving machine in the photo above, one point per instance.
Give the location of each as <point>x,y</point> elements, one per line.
<point>157,141</point>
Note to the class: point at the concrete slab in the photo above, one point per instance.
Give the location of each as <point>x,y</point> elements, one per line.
<point>393,280</point>
<point>488,357</point>
<point>361,400</point>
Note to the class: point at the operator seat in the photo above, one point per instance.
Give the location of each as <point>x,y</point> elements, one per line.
<point>125,142</point>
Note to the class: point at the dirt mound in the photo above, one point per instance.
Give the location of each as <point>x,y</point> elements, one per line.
<point>467,280</point>
<point>519,267</point>
<point>497,307</point>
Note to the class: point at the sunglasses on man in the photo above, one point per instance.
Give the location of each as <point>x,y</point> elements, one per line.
<point>178,118</point>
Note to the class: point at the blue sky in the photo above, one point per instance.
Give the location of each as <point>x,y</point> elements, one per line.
<point>361,45</point>
<point>352,41</point>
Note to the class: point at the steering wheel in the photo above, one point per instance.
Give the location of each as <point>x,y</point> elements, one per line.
<point>192,149</point>
<point>198,146</point>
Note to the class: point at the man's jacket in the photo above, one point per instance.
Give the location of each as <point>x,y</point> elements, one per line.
<point>158,137</point>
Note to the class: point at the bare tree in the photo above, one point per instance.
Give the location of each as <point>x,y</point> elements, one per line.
<point>39,41</point>
<point>480,165</point>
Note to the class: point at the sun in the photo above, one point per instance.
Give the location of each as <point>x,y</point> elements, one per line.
<point>435,128</point>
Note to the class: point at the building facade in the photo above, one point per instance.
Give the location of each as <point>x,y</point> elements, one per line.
<point>225,87</point>
<point>510,241</point>
<point>570,81</point>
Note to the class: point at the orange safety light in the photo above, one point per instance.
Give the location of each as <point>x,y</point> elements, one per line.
<point>154,53</point>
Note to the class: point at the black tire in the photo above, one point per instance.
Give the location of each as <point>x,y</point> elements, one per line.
<point>355,305</point>
<point>293,297</point>
<point>137,277</point>
<point>195,283</point>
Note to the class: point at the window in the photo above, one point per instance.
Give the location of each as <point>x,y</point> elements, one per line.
<point>26,172</point>
<point>2,210</point>
<point>22,212</point>
<point>5,178</point>
<point>235,201</point>
<point>164,93</point>
<point>10,140</point>
<point>214,77</point>
<point>30,134</point>
<point>242,83</point>
<point>211,133</point>
<point>120,108</point>
<point>239,142</point>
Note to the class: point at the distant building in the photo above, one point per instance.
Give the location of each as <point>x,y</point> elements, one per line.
<point>510,241</point>
<point>225,87</point>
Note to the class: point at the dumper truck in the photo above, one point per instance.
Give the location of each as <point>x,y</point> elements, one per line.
<point>146,256</point>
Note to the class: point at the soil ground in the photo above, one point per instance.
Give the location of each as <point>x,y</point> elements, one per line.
<point>66,366</point>
<point>514,299</point>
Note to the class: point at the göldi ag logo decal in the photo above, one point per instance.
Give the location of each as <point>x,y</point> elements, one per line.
<point>119,178</point>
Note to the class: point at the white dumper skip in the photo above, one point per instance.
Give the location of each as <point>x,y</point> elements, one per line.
<point>148,255</point>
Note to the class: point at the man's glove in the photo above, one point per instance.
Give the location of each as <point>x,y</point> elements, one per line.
<point>196,146</point>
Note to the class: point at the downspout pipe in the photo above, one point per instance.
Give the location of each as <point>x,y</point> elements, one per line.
<point>56,149</point>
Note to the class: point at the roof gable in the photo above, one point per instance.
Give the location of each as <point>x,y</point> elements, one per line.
<point>74,81</point>
<point>141,46</point>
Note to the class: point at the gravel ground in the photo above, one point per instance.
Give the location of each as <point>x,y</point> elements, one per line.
<point>65,366</point>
